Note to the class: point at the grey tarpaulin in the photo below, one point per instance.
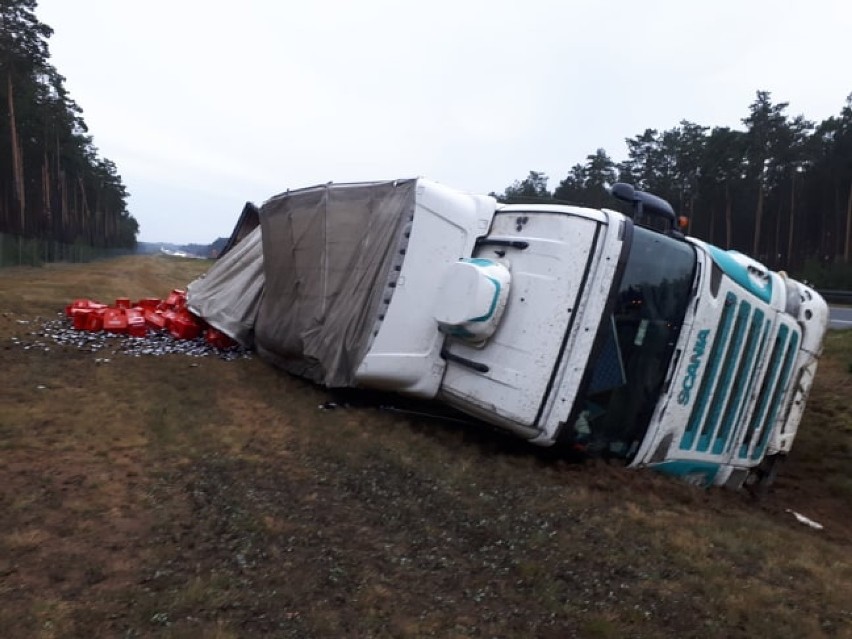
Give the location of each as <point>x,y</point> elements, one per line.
<point>229,294</point>
<point>248,221</point>
<point>328,253</point>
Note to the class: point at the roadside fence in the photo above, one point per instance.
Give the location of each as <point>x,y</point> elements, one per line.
<point>25,251</point>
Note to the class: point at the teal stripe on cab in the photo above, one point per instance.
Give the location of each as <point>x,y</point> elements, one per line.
<point>744,370</point>
<point>749,432</point>
<point>740,274</point>
<point>721,395</point>
<point>766,392</point>
<point>708,381</point>
<point>760,333</point>
<point>705,471</point>
<point>494,299</point>
<point>778,395</point>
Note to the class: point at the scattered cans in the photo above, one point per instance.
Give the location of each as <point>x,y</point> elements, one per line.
<point>155,343</point>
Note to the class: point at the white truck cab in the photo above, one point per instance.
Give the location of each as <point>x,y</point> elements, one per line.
<point>601,334</point>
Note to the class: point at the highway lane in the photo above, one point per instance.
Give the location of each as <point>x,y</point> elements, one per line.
<point>840,316</point>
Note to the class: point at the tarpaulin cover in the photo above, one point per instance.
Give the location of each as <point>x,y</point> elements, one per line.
<point>248,221</point>
<point>228,295</point>
<point>328,252</point>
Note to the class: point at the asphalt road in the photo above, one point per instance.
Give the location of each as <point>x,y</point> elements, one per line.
<point>840,317</point>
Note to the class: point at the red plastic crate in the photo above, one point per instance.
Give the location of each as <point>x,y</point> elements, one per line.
<point>169,315</point>
<point>155,319</point>
<point>184,326</point>
<point>136,326</point>
<point>95,320</point>
<point>78,304</point>
<point>136,322</point>
<point>176,299</point>
<point>149,303</point>
<point>80,317</point>
<point>115,320</point>
<point>218,339</point>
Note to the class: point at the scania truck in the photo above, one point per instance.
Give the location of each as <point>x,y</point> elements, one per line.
<point>608,333</point>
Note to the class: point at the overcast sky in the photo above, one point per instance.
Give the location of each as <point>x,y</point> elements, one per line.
<point>205,104</point>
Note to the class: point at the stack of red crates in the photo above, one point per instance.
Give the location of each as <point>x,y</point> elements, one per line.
<point>136,318</point>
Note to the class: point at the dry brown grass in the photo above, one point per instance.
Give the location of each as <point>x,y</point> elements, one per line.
<point>149,497</point>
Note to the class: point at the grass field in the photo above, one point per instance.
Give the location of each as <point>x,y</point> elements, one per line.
<point>181,497</point>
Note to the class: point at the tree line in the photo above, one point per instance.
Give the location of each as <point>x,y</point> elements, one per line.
<point>780,189</point>
<point>53,184</point>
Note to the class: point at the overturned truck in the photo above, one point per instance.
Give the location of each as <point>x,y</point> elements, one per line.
<point>564,325</point>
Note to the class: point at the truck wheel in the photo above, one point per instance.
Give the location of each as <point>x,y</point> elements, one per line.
<point>762,477</point>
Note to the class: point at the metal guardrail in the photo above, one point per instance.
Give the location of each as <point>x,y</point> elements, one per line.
<point>836,297</point>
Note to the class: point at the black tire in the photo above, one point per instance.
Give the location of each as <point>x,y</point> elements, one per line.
<point>762,477</point>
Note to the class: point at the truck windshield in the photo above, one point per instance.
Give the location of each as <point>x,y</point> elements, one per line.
<point>637,341</point>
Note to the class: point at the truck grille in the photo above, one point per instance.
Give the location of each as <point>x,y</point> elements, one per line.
<point>739,396</point>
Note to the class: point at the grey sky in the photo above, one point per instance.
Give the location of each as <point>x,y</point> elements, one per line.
<point>204,104</point>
